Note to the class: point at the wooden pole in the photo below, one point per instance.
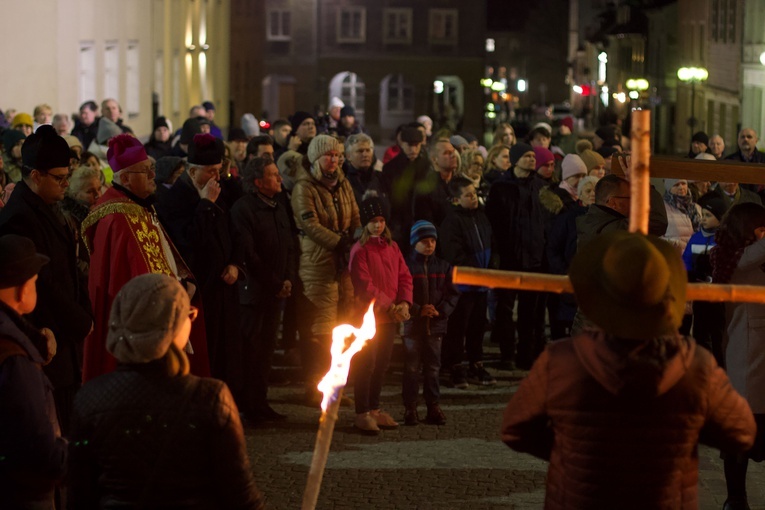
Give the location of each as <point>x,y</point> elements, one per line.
<point>640,179</point>
<point>320,453</point>
<point>560,284</point>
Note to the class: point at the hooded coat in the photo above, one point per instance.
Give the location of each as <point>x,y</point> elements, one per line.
<point>324,217</point>
<point>620,420</point>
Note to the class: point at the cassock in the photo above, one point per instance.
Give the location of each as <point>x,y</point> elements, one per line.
<point>125,239</point>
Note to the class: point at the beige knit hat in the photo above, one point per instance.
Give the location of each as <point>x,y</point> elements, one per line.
<point>591,159</point>
<point>320,145</point>
<point>145,318</point>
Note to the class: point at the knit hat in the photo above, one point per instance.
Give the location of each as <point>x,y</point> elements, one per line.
<point>250,125</point>
<point>568,122</point>
<point>208,105</point>
<point>335,102</point>
<point>145,318</point>
<point>160,122</point>
<point>543,125</point>
<point>668,183</point>
<point>237,135</point>
<point>44,149</point>
<point>125,151</point>
<point>191,127</point>
<point>714,204</point>
<point>165,167</point>
<point>72,141</point>
<point>21,119</point>
<point>630,285</point>
<point>371,207</point>
<point>321,145</point>
<point>347,111</point>
<point>412,134</point>
<point>10,138</point>
<point>106,130</point>
<point>518,150</point>
<point>421,230</point>
<point>205,150</point>
<point>457,141</point>
<point>543,155</point>
<point>572,165</point>
<point>298,118</point>
<point>700,136</point>
<point>19,260</point>
<point>592,159</point>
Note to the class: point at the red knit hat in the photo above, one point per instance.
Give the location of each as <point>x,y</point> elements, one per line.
<point>124,151</point>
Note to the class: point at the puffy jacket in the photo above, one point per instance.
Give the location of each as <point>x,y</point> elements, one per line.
<point>432,285</point>
<point>620,420</point>
<point>144,439</point>
<point>379,272</point>
<point>679,227</point>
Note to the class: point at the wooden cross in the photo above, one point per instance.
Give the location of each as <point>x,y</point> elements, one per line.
<point>640,174</point>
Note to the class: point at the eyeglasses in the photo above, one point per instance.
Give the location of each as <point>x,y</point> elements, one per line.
<point>152,169</point>
<point>60,179</point>
<point>193,313</point>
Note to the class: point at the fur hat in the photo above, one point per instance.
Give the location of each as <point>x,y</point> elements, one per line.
<point>21,119</point>
<point>630,285</point>
<point>124,151</point>
<point>518,150</point>
<point>421,230</point>
<point>250,125</point>
<point>371,207</point>
<point>321,145</point>
<point>44,149</point>
<point>106,130</point>
<point>543,156</point>
<point>714,204</point>
<point>592,159</point>
<point>205,150</point>
<point>145,318</point>
<point>572,165</point>
<point>19,260</point>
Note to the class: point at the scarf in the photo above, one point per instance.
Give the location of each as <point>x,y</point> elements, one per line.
<point>686,206</point>
<point>571,191</point>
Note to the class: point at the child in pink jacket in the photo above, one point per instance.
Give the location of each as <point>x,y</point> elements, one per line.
<point>379,272</point>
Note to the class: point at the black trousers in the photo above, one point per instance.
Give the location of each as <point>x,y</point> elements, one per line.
<point>465,329</point>
<point>260,323</point>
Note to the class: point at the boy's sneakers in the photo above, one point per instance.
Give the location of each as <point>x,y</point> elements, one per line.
<point>383,419</point>
<point>435,415</point>
<point>458,378</point>
<point>478,375</point>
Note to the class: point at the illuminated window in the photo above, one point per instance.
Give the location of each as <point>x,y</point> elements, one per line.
<point>279,26</point>
<point>397,26</point>
<point>443,26</point>
<point>133,85</point>
<point>351,25</point>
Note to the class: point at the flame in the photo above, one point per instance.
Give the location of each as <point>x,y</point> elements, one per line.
<point>337,376</point>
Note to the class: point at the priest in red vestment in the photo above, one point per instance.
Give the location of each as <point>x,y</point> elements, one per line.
<point>125,239</point>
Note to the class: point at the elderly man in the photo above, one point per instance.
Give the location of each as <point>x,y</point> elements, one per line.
<point>198,224</point>
<point>359,166</point>
<point>86,127</point>
<point>589,400</point>
<point>112,110</point>
<point>264,231</point>
<point>717,146</point>
<point>33,212</point>
<point>125,239</point>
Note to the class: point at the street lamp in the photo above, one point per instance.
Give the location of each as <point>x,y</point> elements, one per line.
<point>637,86</point>
<point>692,75</point>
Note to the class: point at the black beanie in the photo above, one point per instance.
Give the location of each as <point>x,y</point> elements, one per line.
<point>160,122</point>
<point>714,204</point>
<point>298,118</point>
<point>371,207</point>
<point>44,149</point>
<point>190,128</point>
<point>518,150</point>
<point>700,136</point>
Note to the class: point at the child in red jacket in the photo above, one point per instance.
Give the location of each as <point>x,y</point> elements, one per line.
<point>378,272</point>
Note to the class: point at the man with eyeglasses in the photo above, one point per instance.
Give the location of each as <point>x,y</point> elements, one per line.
<point>198,223</point>
<point>33,211</point>
<point>125,239</point>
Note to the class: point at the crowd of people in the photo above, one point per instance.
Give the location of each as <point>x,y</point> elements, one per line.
<point>141,269</point>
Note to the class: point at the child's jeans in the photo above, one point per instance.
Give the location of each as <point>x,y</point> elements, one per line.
<point>422,350</point>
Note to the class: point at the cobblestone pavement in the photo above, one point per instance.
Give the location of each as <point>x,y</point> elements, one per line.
<point>457,466</point>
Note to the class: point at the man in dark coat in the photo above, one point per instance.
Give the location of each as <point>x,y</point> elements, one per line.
<point>86,127</point>
<point>264,232</point>
<point>359,166</point>
<point>33,451</point>
<point>63,306</point>
<point>199,228</point>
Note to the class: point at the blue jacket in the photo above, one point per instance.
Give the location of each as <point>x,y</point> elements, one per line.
<point>432,282</point>
<point>32,451</point>
<point>696,255</point>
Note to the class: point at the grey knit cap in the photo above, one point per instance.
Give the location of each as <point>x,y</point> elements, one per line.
<point>146,315</point>
<point>320,145</point>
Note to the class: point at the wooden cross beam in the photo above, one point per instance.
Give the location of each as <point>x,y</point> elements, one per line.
<point>660,166</point>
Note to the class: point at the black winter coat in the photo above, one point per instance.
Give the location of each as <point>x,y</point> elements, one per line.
<point>33,452</point>
<point>518,220</point>
<point>62,304</point>
<point>465,237</point>
<point>432,285</point>
<point>265,234</point>
<point>144,439</point>
<point>402,180</point>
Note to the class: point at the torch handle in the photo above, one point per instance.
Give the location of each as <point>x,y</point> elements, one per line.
<point>320,453</point>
